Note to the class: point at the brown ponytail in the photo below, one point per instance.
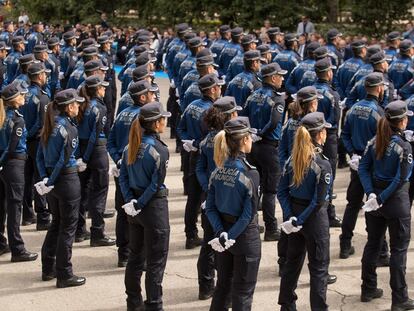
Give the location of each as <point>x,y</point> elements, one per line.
<point>135,137</point>
<point>86,93</point>
<point>2,113</point>
<point>384,133</point>
<point>49,122</point>
<point>302,154</point>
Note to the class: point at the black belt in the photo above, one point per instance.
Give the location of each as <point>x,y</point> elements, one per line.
<point>232,219</point>
<point>17,156</point>
<point>64,171</point>
<point>159,194</point>
<point>298,201</point>
<point>99,142</point>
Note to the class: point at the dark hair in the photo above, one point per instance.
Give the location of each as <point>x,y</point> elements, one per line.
<point>248,64</point>
<point>383,137</point>
<point>215,119</point>
<point>88,94</point>
<point>49,123</point>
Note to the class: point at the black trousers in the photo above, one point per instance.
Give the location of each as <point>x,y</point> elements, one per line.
<point>237,270</point>
<point>94,190</point>
<point>313,238</point>
<point>185,164</point>
<point>330,150</point>
<point>11,199</point>
<point>265,156</point>
<point>121,226</point>
<point>31,176</point>
<point>63,202</point>
<point>341,148</point>
<point>399,229</point>
<point>172,107</point>
<point>194,199</point>
<point>149,234</point>
<point>206,258</point>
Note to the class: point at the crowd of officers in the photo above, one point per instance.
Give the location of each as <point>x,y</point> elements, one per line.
<point>253,123</point>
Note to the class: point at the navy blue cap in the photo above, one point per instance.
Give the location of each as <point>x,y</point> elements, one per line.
<point>139,49</point>
<point>39,48</point>
<point>227,104</point>
<point>224,28</point>
<point>18,39</point>
<point>189,35</point>
<point>182,28</point>
<point>272,69</point>
<point>333,33</point>
<point>196,42</point>
<point>4,46</point>
<point>314,121</point>
<point>53,41</point>
<point>405,45</point>
<point>372,49</point>
<point>70,35</point>
<point>144,39</point>
<point>27,59</point>
<point>323,64</point>
<point>208,81</point>
<point>374,79</point>
<point>141,87</point>
<point>320,52</point>
<point>236,32</point>
<point>88,42</point>
<point>394,35</point>
<point>153,111</point>
<point>13,90</point>
<point>358,44</point>
<point>95,64</point>
<point>397,110</point>
<point>312,46</point>
<point>144,59</point>
<point>289,37</point>
<point>206,52</point>
<point>37,68</point>
<point>90,51</point>
<point>274,31</point>
<point>264,48</point>
<point>378,58</point>
<point>95,81</point>
<point>307,94</point>
<point>252,55</point>
<point>239,126</point>
<point>247,39</point>
<point>141,72</point>
<point>67,97</point>
<point>103,39</point>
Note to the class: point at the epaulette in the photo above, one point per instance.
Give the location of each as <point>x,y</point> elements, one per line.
<point>248,164</point>
<point>18,113</point>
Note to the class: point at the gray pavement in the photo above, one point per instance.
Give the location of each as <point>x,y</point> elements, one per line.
<point>21,287</point>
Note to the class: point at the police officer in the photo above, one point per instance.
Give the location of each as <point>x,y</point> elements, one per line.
<point>265,109</point>
<point>309,77</point>
<point>302,194</point>
<point>41,53</point>
<point>401,69</point>
<point>191,131</point>
<point>175,46</point>
<point>36,37</point>
<point>276,40</point>
<point>289,58</point>
<point>231,208</point>
<point>393,42</point>
<point>93,160</point>
<point>265,53</point>
<point>33,113</point>
<point>333,37</point>
<point>141,93</point>
<point>24,62</point>
<point>3,68</point>
<point>138,50</point>
<point>78,75</point>
<point>223,110</point>
<point>384,172</point>
<point>54,48</point>
<point>68,57</point>
<point>219,44</point>
<point>7,33</point>
<point>329,105</point>
<point>12,159</point>
<point>61,182</point>
<point>146,156</point>
<point>12,60</point>
<point>247,81</point>
<point>231,49</point>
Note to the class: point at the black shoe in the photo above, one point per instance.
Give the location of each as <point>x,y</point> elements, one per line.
<point>82,237</point>
<point>261,229</point>
<point>139,308</point>
<point>105,241</point>
<point>109,214</point>
<point>345,252</point>
<point>48,276</point>
<point>193,242</point>
<point>205,293</point>
<point>335,222</point>
<point>331,279</point>
<point>367,296</point>
<point>122,263</point>
<point>383,261</point>
<point>25,256</point>
<point>42,226</point>
<point>334,196</point>
<point>28,222</point>
<point>5,250</point>
<point>272,235</point>
<point>342,164</point>
<point>408,305</point>
<point>73,281</point>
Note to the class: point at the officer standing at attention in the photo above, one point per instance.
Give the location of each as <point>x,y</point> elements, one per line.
<point>393,42</point>
<point>22,77</point>
<point>7,33</point>
<point>231,49</point>
<point>12,160</point>
<point>329,106</point>
<point>384,172</point>
<point>401,70</point>
<point>12,60</point>
<point>219,44</point>
<point>59,173</point>
<point>36,37</point>
<point>68,57</point>
<point>302,194</point>
<point>191,132</point>
<point>265,110</point>
<point>54,47</point>
<point>33,113</point>
<point>93,160</point>
<point>276,38</point>
<point>333,38</point>
<point>143,171</point>
<point>41,53</point>
<point>142,93</point>
<point>289,58</point>
<point>4,49</point>
<point>231,208</point>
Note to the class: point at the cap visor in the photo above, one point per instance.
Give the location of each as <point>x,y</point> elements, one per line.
<point>153,89</point>
<point>80,99</point>
<point>328,125</point>
<point>48,70</point>
<point>239,108</point>
<point>221,82</point>
<point>410,113</point>
<point>282,72</point>
<point>319,96</point>
<point>166,114</point>
<point>252,131</point>
<point>104,68</point>
<point>105,83</point>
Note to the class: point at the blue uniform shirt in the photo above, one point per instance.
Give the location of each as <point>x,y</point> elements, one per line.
<point>410,105</point>
<point>33,39</point>
<point>227,54</point>
<point>345,73</point>
<point>125,101</point>
<point>363,71</point>
<point>76,78</point>
<point>407,90</point>
<point>205,163</point>
<point>401,71</point>
<point>186,66</point>
<point>242,86</point>
<point>236,66</point>
<point>175,46</point>
<point>193,93</point>
<point>178,60</point>
<point>293,83</point>
<point>68,58</point>
<point>191,77</point>
<point>390,53</point>
<point>329,104</point>
<point>217,47</point>
<point>288,137</point>
<point>12,63</point>
<point>287,60</point>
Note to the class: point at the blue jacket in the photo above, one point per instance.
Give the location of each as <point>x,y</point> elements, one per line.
<point>205,163</point>
<point>91,128</point>
<point>227,54</point>
<point>178,60</point>
<point>287,60</point>
<point>395,168</point>
<point>309,78</point>
<point>126,78</point>
<point>287,139</point>
<point>410,105</point>
<point>401,71</point>
<point>175,46</point>
<point>147,173</point>
<point>233,190</point>
<point>329,104</point>
<point>59,152</point>
<point>242,86</point>
<point>217,47</point>
<point>124,102</point>
<point>407,90</point>
<point>5,36</point>
<point>363,71</point>
<point>265,110</point>
<point>23,79</point>
<point>193,93</point>
<point>119,134</point>
<point>188,65</point>
<point>76,78</point>
<point>236,66</point>
<point>125,67</point>
<point>390,54</point>
<point>191,123</point>
<point>53,63</point>
<point>191,77</point>
<point>314,188</point>
<point>68,58</point>
<point>345,73</point>
<point>12,135</point>
<point>335,55</point>
<point>361,124</point>
<point>33,110</point>
<point>12,63</point>
<point>276,48</point>
<point>293,83</point>
<point>33,39</point>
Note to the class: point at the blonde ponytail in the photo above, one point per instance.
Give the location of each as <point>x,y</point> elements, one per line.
<point>2,113</point>
<point>302,154</point>
<point>221,150</point>
<point>134,141</point>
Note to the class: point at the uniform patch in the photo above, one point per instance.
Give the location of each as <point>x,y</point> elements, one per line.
<point>410,158</point>
<point>74,141</point>
<point>104,120</point>
<point>328,178</point>
<point>280,108</point>
<point>166,164</point>
<point>19,131</point>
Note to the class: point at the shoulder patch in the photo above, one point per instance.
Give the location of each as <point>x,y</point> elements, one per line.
<point>280,108</point>
<point>327,178</point>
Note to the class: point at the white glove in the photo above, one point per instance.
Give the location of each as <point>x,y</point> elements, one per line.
<point>81,165</point>
<point>188,145</point>
<point>288,226</point>
<point>172,84</point>
<point>203,205</point>
<point>409,135</point>
<point>61,75</point>
<point>342,103</point>
<point>176,93</point>
<point>41,187</point>
<point>228,242</point>
<point>354,162</point>
<point>215,245</point>
<point>371,204</point>
<point>130,210</point>
<point>114,171</point>
<point>256,138</point>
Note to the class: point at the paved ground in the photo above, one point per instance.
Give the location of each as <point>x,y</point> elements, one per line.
<point>21,287</point>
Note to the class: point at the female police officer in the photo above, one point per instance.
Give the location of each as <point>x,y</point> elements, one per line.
<point>57,167</point>
<point>231,208</point>
<point>384,171</point>
<point>302,194</point>
<point>143,170</point>
<point>12,160</point>
<point>93,162</point>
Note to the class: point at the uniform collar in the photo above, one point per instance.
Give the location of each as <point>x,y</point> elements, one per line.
<point>152,134</point>
<point>318,148</point>
<point>372,97</point>
<point>208,98</point>
<point>323,81</point>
